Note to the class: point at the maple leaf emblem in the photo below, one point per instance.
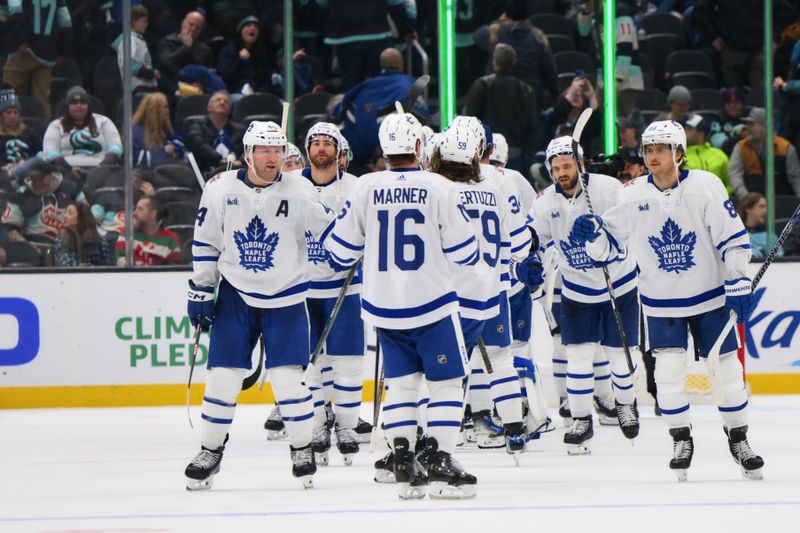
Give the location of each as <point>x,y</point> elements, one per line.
<point>674,250</point>
<point>575,253</point>
<point>256,248</point>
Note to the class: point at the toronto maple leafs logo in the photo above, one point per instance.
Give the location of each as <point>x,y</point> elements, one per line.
<point>673,249</point>
<point>256,248</point>
<point>316,253</point>
<point>575,253</point>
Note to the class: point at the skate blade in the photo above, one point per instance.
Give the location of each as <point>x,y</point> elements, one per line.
<point>409,492</point>
<point>364,438</point>
<point>441,490</point>
<point>756,474</point>
<point>384,476</point>
<point>516,456</point>
<point>276,434</point>
<point>307,481</point>
<point>489,442</point>
<point>321,458</point>
<point>579,449</point>
<point>607,420</point>
<point>682,474</point>
<point>199,484</point>
<point>348,459</point>
<point>470,436</point>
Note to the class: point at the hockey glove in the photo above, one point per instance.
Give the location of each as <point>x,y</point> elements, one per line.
<point>201,306</point>
<point>529,271</point>
<point>586,228</point>
<point>739,298</point>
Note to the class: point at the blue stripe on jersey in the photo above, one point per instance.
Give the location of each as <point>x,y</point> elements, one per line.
<point>505,244</point>
<point>334,283</point>
<point>505,277</point>
<point>479,305</point>
<point>327,230</point>
<point>732,237</point>
<point>744,246</point>
<point>410,312</point>
<point>580,289</point>
<point>521,247</point>
<point>471,260</point>
<point>346,244</point>
<point>341,261</point>
<point>518,231</point>
<point>684,302</point>
<point>200,243</point>
<point>459,246</point>
<point>297,289</point>
<point>201,258</point>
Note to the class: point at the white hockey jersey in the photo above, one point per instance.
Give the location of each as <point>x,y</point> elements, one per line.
<point>409,225</point>
<point>327,276</point>
<point>554,214</point>
<point>255,237</point>
<point>479,286</point>
<point>687,240</point>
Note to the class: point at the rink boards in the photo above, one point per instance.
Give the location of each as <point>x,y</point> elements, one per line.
<point>121,338</point>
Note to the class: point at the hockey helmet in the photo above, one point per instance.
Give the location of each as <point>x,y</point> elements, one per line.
<point>500,152</point>
<point>399,133</point>
<point>324,129</point>
<point>664,132</point>
<point>476,126</point>
<point>458,144</point>
<point>261,133</point>
<point>560,146</point>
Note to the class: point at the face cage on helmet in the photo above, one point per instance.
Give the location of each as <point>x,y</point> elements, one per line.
<point>548,164</point>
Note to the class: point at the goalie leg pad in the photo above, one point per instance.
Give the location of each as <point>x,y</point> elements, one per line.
<point>295,401</point>
<point>670,377</point>
<point>580,377</point>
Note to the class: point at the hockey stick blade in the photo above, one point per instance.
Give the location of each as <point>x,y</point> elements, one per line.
<point>580,124</point>
<point>416,90</point>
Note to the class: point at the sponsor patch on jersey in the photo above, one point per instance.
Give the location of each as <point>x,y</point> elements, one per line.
<point>575,253</point>
<point>644,207</point>
<point>256,247</point>
<point>232,201</point>
<point>555,214</point>
<point>674,250</point>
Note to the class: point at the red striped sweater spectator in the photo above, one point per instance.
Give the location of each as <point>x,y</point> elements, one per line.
<point>152,244</point>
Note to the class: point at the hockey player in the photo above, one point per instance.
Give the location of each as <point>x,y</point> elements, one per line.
<point>693,251</point>
<point>481,288</point>
<point>249,237</point>
<point>408,224</point>
<point>338,371</point>
<point>586,317</point>
<point>293,160</point>
<point>345,154</point>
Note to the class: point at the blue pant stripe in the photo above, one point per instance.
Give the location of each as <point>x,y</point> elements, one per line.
<point>576,391</point>
<point>620,387</point>
<point>677,411</point>
<point>327,383</point>
<point>209,399</point>
<point>509,379</point>
<point>601,363</point>
<point>327,369</point>
<point>298,418</point>
<point>480,387</point>
<point>400,424</point>
<point>445,404</point>
<point>319,403</point>
<point>412,405</point>
<point>561,361</point>
<point>626,375</point>
<point>423,401</point>
<point>507,397</point>
<point>348,405</point>
<point>217,420</point>
<point>559,375</point>
<point>602,378</point>
<point>733,409</point>
<point>444,423</point>
<point>315,388</point>
<point>345,388</point>
<point>580,376</point>
<point>296,401</point>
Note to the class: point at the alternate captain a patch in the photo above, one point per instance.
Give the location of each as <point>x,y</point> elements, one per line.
<point>674,250</point>
<point>256,247</point>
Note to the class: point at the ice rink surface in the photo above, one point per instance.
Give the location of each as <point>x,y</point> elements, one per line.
<point>121,470</point>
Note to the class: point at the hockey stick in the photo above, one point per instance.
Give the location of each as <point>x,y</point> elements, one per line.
<point>285,116</point>
<point>191,371</point>
<point>377,391</point>
<point>196,169</point>
<point>581,123</point>
<point>250,380</point>
<point>485,356</point>
<point>713,356</point>
<point>416,90</point>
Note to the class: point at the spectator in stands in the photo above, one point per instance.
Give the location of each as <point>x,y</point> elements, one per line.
<point>570,104</point>
<point>81,138</point>
<point>17,142</point>
<point>735,30</point>
<point>628,134</point>
<point>37,212</point>
<point>679,101</point>
<point>244,63</point>
<point>506,104</point>
<point>33,47</point>
<point>359,31</point>
<point>177,50</point>
<point>789,123</point>
<point>154,141</point>
<point>700,155</point>
<point>632,165</point>
<point>360,107</point>
<point>153,245</point>
<point>731,129</point>
<point>752,209</point>
<point>215,137</point>
<point>80,243</point>
<point>535,65</point>
<point>145,76</point>
<point>747,167</point>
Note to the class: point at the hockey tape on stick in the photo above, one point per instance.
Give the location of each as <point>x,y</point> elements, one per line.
<point>714,375</point>
<point>399,107</point>
<point>229,165</point>
<point>197,174</point>
<point>285,116</point>
<point>250,380</point>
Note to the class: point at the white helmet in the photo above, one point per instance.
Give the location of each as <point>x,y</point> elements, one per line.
<point>475,125</point>
<point>664,132</point>
<point>324,129</point>
<point>560,146</point>
<point>500,152</point>
<point>346,148</point>
<point>458,144</point>
<point>263,134</point>
<point>293,151</point>
<point>399,133</point>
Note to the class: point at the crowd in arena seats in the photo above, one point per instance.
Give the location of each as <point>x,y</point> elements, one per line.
<point>203,70</point>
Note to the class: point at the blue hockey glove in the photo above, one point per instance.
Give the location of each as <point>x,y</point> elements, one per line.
<point>586,228</point>
<point>739,298</point>
<point>201,306</point>
<point>529,271</point>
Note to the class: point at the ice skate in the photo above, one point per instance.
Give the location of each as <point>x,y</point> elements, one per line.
<point>347,443</point>
<point>486,431</point>
<point>628,418</point>
<point>274,425</point>
<point>201,471</point>
<point>408,473</point>
<point>606,412</point>
<point>321,444</point>
<point>515,440</point>
<point>682,451</point>
<point>363,431</point>
<point>303,465</point>
<point>564,412</point>
<point>545,427</point>
<point>579,437</point>
<point>448,480</point>
<point>750,463</point>
<point>384,469</point>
